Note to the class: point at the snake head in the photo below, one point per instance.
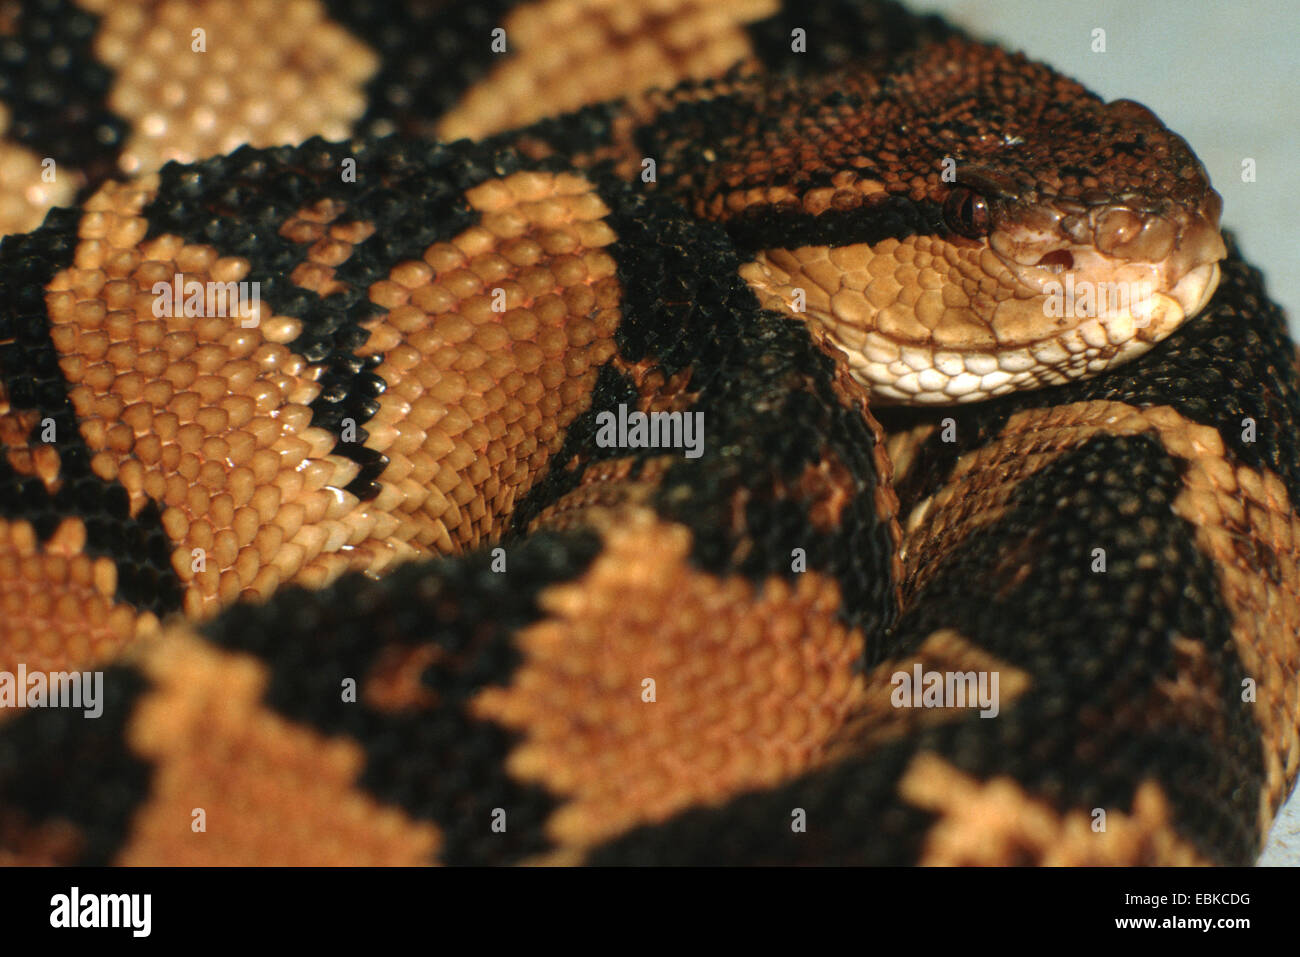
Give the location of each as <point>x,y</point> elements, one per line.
<point>968,222</point>
<point>1112,241</point>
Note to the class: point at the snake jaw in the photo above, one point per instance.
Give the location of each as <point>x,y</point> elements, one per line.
<point>1137,273</point>
<point>1076,291</point>
<point>1032,306</point>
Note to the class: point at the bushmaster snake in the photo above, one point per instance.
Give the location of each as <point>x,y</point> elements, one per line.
<point>369,575</point>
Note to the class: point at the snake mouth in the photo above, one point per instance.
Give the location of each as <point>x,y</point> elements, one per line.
<point>1094,288</point>
<point>1114,263</point>
<point>1054,293</point>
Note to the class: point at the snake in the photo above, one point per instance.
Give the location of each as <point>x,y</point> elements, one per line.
<point>576,432</point>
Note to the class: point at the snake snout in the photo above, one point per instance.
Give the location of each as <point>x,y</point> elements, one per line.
<point>1199,242</point>
<point>1179,239</point>
<point>1124,234</point>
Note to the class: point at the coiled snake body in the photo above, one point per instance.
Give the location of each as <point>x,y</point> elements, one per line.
<point>387,568</point>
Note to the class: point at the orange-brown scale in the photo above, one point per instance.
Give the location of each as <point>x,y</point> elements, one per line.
<point>271,74</point>
<point>567,54</point>
<point>216,747</point>
<point>315,278</point>
<point>903,446</point>
<point>211,420</point>
<point>657,392</point>
<point>26,454</point>
<point>810,144</point>
<point>58,604</point>
<point>876,719</point>
<point>477,400</point>
<point>751,682</point>
<point>197,413</point>
<point>1187,699</point>
<point>354,69</point>
<point>908,290</point>
<point>395,682</point>
<point>331,244</point>
<point>25,193</point>
<point>604,485</point>
<point>827,487</point>
<point>996,823</point>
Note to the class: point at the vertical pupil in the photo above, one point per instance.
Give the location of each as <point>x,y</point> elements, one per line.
<point>966,213</point>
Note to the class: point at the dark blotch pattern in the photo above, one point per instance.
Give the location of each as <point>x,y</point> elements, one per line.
<point>31,380</point>
<point>56,765</point>
<point>411,191</point>
<point>439,764</point>
<point>852,815</point>
<point>841,31</point>
<point>1094,722</point>
<point>767,227</point>
<point>752,374</point>
<point>1095,668</point>
<point>56,90</point>
<point>430,55</point>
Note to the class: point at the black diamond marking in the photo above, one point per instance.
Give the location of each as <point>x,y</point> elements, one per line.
<point>1102,660</point>
<point>854,813</point>
<point>1104,657</point>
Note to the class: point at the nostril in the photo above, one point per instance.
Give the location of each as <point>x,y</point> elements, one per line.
<point>1058,260</point>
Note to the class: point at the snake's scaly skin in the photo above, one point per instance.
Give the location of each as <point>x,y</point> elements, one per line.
<point>367,581</point>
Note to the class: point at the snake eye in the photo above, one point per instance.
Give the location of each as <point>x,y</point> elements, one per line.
<point>967,213</point>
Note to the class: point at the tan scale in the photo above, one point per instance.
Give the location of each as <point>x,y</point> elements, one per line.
<point>826,486</point>
<point>57,602</point>
<point>876,718</point>
<point>904,445</point>
<point>211,419</point>
<point>272,74</point>
<point>1244,520</point>
<point>197,413</point>
<point>25,194</point>
<point>564,54</point>
<point>996,823</point>
<point>1189,699</point>
<point>395,683</point>
<point>216,746</point>
<point>477,401</point>
<point>750,683</point>
<point>24,449</point>
<point>330,244</point>
<point>604,485</point>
